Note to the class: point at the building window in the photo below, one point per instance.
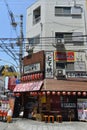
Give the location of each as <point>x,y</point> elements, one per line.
<point>37,15</point>
<point>70,66</point>
<point>60,65</point>
<point>70,38</point>
<point>75,12</point>
<point>80,65</point>
<point>62,11</point>
<point>66,37</point>
<point>35,40</point>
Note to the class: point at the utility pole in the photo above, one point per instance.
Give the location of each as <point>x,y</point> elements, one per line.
<point>21,45</point>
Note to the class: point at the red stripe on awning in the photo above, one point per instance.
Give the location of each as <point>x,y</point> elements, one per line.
<point>25,87</point>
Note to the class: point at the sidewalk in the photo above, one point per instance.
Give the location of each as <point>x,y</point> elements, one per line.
<point>26,124</point>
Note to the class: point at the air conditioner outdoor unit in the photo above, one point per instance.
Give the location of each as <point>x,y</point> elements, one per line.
<point>59,41</point>
<point>60,73</point>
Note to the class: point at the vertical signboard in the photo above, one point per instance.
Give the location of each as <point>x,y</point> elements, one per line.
<point>11,83</point>
<point>49,64</point>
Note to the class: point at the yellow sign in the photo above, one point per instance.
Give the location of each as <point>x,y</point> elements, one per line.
<point>5,72</point>
<point>43,99</point>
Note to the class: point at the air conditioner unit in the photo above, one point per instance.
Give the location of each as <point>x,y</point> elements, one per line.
<point>60,73</point>
<point>59,41</point>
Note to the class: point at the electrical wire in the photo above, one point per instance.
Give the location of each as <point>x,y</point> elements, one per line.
<point>6,51</point>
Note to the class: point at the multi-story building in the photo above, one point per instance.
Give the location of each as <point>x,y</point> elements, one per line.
<point>56,30</point>
<point>61,27</point>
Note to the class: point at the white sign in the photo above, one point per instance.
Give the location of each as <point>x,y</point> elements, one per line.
<point>49,64</point>
<point>68,105</point>
<point>80,66</point>
<point>31,68</point>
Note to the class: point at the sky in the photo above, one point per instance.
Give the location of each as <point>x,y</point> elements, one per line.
<point>17,7</point>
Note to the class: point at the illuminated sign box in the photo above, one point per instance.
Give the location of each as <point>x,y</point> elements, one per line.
<point>65,56</point>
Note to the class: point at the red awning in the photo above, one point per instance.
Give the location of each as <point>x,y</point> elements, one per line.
<point>25,87</point>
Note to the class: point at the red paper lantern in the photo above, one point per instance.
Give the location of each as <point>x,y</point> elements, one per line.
<point>43,93</point>
<point>33,76</point>
<point>40,93</point>
<point>79,93</point>
<point>14,94</point>
<point>48,92</point>
<point>58,93</point>
<point>38,76</point>
<point>74,93</point>
<point>64,93</point>
<point>34,93</point>
<point>53,93</point>
<point>24,78</point>
<point>28,77</point>
<point>41,75</point>
<point>31,93</point>
<point>84,93</point>
<point>68,93</point>
<point>17,94</point>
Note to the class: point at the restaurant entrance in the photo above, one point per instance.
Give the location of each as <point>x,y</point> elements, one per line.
<point>65,105</point>
<point>30,103</point>
<point>69,107</point>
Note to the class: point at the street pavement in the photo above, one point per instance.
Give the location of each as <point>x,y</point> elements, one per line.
<point>26,124</point>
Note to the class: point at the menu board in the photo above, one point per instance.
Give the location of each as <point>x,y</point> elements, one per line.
<point>4,105</point>
<point>82,109</point>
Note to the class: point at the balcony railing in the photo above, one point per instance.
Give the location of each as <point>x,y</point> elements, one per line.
<point>36,20</point>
